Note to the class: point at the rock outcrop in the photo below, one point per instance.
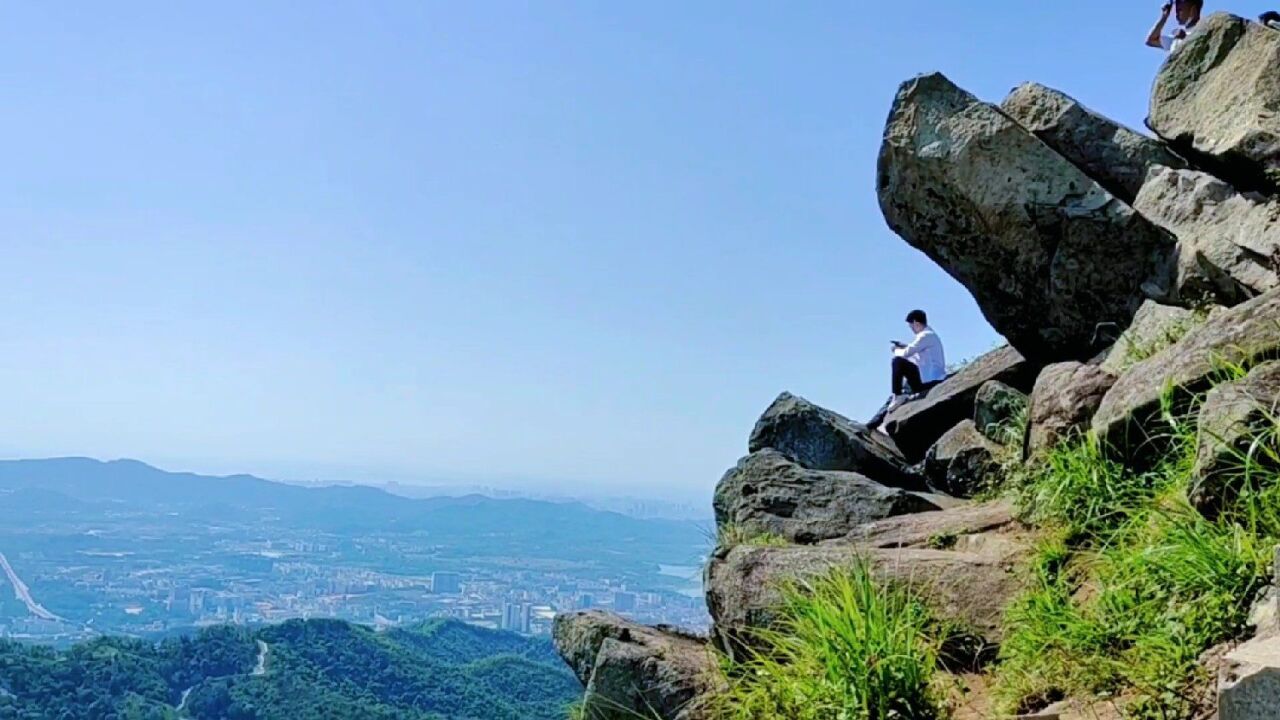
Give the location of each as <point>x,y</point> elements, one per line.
<point>766,493</point>
<point>1045,250</point>
<point>1133,277</point>
<point>1215,100</point>
<point>1154,328</point>
<point>971,581</point>
<point>963,461</point>
<point>1228,242</point>
<point>819,439</point>
<point>915,426</point>
<point>1237,423</point>
<point>627,667</point>
<point>1063,402</point>
<point>1129,418</point>
<point>1115,156</point>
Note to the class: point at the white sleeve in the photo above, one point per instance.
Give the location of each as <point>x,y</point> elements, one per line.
<point>914,346</point>
<point>1166,42</point>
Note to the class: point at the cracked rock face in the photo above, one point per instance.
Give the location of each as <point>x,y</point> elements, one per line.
<point>1045,250</point>
<point>1216,99</point>
<point>1117,157</point>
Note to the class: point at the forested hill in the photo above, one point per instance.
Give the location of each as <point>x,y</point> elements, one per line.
<point>299,670</point>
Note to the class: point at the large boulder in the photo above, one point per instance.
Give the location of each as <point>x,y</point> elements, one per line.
<point>1216,98</point>
<point>1249,681</point>
<point>971,582</point>
<point>1115,156</point>
<point>1235,448</point>
<point>1228,242</point>
<point>766,493</point>
<point>631,670</point>
<point>1154,328</point>
<point>1130,420</point>
<point>1064,400</point>
<point>963,462</point>
<point>998,410</point>
<point>1045,250</point>
<point>820,439</point>
<point>915,426</point>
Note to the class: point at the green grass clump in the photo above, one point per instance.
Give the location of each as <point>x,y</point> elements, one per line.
<point>732,535</point>
<point>1131,584</point>
<point>845,646</point>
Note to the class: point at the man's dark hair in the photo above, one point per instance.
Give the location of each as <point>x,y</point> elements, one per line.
<point>918,316</point>
<point>1197,4</point>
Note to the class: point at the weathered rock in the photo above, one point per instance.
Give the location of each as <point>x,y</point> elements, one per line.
<point>820,439</point>
<point>915,426</point>
<point>997,409</point>
<point>1154,328</point>
<point>1113,155</point>
<point>1065,399</point>
<point>1216,98</point>
<point>1249,683</point>
<point>631,670</point>
<point>1231,418</point>
<point>962,462</point>
<point>1228,242</point>
<point>969,584</point>
<point>1129,419</point>
<point>928,530</point>
<point>767,493</point>
<point>1045,250</point>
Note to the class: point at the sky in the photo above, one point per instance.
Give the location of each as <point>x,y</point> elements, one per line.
<point>545,246</point>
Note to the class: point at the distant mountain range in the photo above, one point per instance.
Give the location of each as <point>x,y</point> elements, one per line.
<point>61,486</point>
<point>300,670</point>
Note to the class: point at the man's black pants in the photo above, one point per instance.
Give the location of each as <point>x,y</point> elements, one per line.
<point>906,371</point>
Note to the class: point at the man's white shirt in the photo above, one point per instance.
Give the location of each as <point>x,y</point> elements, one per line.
<point>1171,42</point>
<point>925,352</point>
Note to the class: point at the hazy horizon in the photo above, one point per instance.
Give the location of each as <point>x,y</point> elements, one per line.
<point>560,245</point>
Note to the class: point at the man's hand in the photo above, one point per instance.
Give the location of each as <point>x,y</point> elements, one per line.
<point>1166,9</point>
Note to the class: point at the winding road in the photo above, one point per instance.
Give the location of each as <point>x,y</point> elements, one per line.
<point>260,668</point>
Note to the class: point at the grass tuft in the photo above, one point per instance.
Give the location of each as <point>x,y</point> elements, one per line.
<point>846,646</point>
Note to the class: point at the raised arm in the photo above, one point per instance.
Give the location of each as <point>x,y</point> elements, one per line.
<point>1153,39</point>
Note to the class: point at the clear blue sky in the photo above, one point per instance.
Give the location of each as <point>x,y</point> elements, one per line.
<point>560,243</point>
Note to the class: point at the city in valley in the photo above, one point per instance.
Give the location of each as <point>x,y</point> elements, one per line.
<point>118,559</point>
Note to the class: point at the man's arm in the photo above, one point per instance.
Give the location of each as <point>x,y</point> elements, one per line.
<point>1153,39</point>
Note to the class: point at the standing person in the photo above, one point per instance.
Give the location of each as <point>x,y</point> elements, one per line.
<point>916,366</point>
<point>1187,14</point>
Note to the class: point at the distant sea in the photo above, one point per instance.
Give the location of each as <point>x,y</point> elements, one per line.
<point>689,573</point>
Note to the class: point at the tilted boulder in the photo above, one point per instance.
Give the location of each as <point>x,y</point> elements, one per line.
<point>1228,242</point>
<point>1045,250</point>
<point>1234,440</point>
<point>1129,419</point>
<point>767,493</point>
<point>962,462</point>
<point>1115,156</point>
<point>631,670</point>
<point>997,410</point>
<point>820,439</point>
<point>915,426</point>
<point>1064,400</point>
<point>1216,98</point>
<point>971,583</point>
<point>1154,328</point>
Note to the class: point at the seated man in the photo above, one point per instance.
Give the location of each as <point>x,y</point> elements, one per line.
<point>1188,16</point>
<point>917,366</point>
